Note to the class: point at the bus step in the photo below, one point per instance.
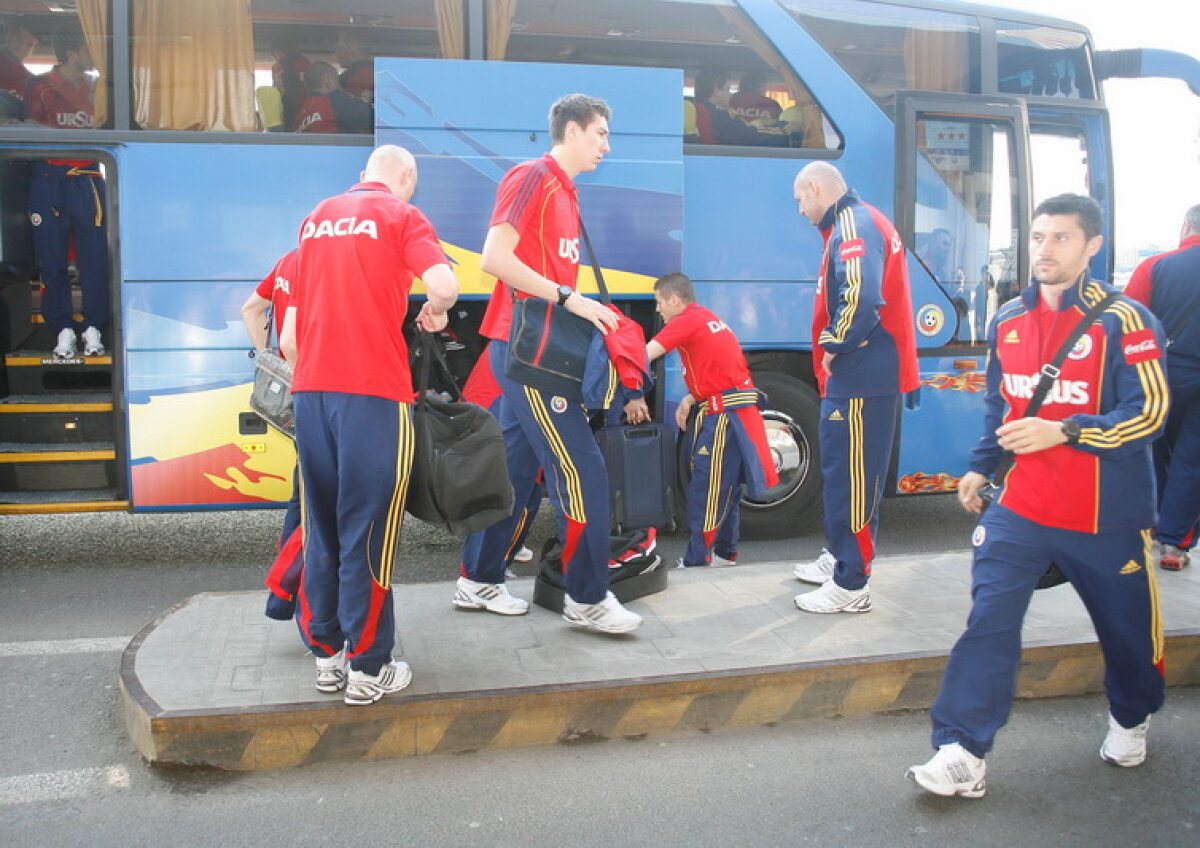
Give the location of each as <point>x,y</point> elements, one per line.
<point>48,467</point>
<point>86,417</point>
<point>62,500</point>
<point>39,373</point>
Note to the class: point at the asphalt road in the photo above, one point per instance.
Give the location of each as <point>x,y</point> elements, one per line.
<point>74,589</point>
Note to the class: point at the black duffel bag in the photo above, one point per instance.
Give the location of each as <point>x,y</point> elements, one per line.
<point>459,477</point>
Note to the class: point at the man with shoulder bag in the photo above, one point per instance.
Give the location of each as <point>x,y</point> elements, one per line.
<point>1079,493</point>
<point>532,248</point>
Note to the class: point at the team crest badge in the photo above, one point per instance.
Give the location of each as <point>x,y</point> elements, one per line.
<point>558,404</point>
<point>35,219</point>
<point>1082,348</point>
<point>930,320</point>
<point>979,536</point>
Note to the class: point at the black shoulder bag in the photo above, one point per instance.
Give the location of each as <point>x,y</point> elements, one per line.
<point>1048,377</point>
<point>548,344</point>
<point>459,477</point>
<point>271,396</point>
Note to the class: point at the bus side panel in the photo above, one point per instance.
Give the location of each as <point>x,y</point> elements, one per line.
<point>933,452</point>
<point>632,204</point>
<point>201,224</point>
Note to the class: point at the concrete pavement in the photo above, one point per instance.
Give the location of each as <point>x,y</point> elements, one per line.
<point>214,682</point>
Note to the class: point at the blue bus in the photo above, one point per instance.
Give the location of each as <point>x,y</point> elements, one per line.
<point>950,117</point>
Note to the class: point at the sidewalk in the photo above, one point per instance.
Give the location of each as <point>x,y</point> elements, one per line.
<point>214,682</point>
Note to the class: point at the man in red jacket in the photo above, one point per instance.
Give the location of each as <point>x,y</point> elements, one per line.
<point>1169,284</point>
<point>865,358</point>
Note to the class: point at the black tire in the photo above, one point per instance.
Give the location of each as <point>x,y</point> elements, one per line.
<point>791,416</point>
<point>794,505</point>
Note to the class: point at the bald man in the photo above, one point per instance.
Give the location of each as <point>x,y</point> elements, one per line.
<point>358,254</point>
<point>864,355</point>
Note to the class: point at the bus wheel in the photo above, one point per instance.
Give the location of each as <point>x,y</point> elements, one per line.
<point>791,419</point>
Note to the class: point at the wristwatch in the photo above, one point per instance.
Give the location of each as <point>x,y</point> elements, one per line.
<point>563,293</point>
<point>1070,428</point>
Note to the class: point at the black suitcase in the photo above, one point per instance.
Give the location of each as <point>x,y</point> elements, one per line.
<point>641,474</point>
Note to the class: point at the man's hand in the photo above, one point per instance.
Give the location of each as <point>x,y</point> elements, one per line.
<point>827,363</point>
<point>592,310</point>
<point>430,321</point>
<point>636,411</point>
<point>683,410</point>
<point>1030,435</point>
<point>968,491</point>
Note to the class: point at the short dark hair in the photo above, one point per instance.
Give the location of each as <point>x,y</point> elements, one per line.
<point>676,283</point>
<point>575,108</point>
<point>319,75</point>
<point>753,81</point>
<point>1086,209</point>
<point>707,82</point>
<point>66,41</point>
<point>1192,218</point>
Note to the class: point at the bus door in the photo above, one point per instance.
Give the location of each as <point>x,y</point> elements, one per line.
<point>962,207</point>
<point>61,426</point>
<point>1069,152</point>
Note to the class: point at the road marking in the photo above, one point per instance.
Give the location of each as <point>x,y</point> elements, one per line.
<point>63,646</point>
<point>61,785</point>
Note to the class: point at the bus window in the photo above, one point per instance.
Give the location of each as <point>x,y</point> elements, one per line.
<point>966,215</point>
<point>748,95</point>
<point>1060,164</point>
<point>889,48</point>
<point>28,33</point>
<point>289,42</point>
<point>1043,62</point>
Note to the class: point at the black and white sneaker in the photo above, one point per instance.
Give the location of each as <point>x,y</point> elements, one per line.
<point>331,673</point>
<point>493,597</point>
<point>832,598</point>
<point>607,616</point>
<point>67,344</point>
<point>364,688</point>
<point>953,770</point>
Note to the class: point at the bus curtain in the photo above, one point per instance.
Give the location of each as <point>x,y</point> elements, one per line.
<point>450,28</point>
<point>93,21</point>
<point>193,65</point>
<point>500,14</point>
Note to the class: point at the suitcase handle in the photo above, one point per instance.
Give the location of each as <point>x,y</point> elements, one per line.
<point>639,431</point>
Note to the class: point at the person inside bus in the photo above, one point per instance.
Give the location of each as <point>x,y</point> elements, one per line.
<point>66,202</point>
<point>751,104</point>
<point>936,253</point>
<point>715,124</point>
<point>329,109</point>
<point>358,68</point>
<point>19,44</point>
<point>287,75</point>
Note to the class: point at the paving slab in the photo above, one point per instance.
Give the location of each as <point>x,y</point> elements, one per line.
<point>214,682</point>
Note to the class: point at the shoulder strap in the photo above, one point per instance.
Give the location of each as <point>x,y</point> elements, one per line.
<point>604,295</point>
<point>429,351</point>
<point>1051,370</point>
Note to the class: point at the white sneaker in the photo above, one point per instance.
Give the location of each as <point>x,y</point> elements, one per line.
<point>93,345</point>
<point>331,673</point>
<point>1125,746</point>
<point>953,770</point>
<point>365,688</point>
<point>721,562</point>
<point>493,597</point>
<point>523,555</point>
<point>818,571</point>
<point>607,616</point>
<point>833,598</point>
<point>67,344</point>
